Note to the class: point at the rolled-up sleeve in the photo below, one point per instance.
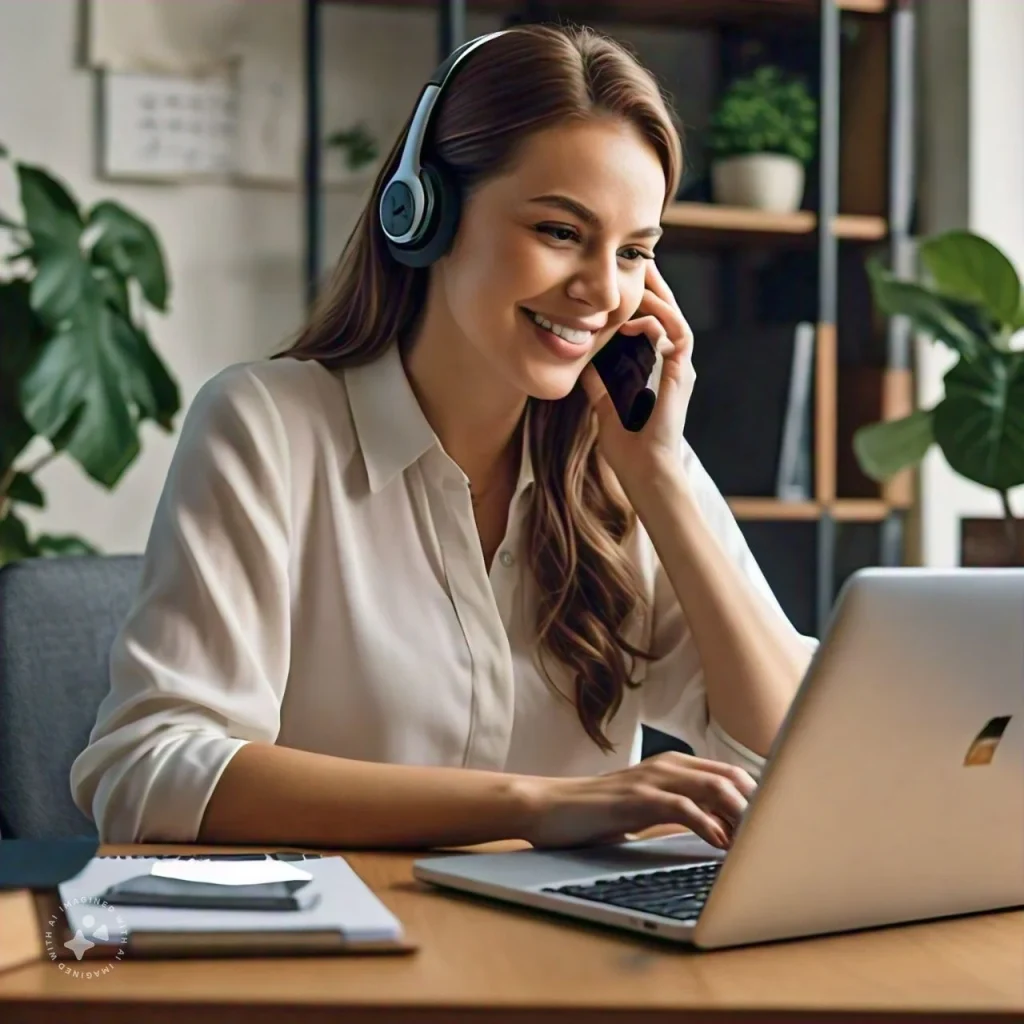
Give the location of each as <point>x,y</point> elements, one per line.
<point>674,694</point>
<point>199,667</point>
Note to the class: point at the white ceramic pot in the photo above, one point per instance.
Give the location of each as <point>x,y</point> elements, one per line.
<point>765,181</point>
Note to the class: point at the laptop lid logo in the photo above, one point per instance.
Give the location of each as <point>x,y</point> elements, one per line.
<point>983,749</point>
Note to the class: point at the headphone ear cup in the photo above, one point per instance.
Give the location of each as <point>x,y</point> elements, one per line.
<point>444,202</point>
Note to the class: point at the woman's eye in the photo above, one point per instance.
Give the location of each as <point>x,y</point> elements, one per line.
<point>637,254</point>
<point>558,232</point>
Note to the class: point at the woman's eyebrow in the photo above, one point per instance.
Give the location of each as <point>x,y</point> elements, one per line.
<point>587,215</point>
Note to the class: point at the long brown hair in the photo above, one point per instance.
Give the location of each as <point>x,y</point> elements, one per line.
<point>528,79</point>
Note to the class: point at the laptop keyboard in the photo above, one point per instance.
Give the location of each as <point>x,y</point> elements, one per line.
<point>679,893</point>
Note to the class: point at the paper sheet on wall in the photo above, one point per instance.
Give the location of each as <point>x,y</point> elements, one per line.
<point>170,36</point>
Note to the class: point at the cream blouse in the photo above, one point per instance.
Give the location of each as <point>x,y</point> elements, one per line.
<point>314,577</point>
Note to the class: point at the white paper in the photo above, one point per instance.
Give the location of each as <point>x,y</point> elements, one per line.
<point>171,36</point>
<point>167,126</point>
<point>231,872</point>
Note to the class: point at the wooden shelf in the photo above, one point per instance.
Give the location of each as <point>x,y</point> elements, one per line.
<point>860,227</point>
<point>773,509</point>
<point>864,6</point>
<point>845,510</point>
<point>712,222</point>
<point>859,510</point>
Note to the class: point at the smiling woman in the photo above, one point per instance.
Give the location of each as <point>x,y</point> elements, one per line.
<point>412,582</point>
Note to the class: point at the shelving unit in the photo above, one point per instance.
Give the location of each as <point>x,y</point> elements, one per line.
<point>862,198</point>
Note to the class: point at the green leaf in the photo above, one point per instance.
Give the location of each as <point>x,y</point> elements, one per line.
<point>765,112</point>
<point>970,268</point>
<point>61,281</point>
<point>53,220</point>
<point>14,540</point>
<point>129,246</point>
<point>51,215</point>
<point>23,488</point>
<point>16,544</point>
<point>3,151</point>
<point>21,341</point>
<point>114,289</point>
<point>146,382</point>
<point>95,380</point>
<point>883,449</point>
<point>980,423</point>
<point>51,544</point>
<point>6,222</point>
<point>943,318</point>
<point>79,374</point>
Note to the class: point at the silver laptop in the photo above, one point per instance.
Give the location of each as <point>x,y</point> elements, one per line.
<point>894,791</point>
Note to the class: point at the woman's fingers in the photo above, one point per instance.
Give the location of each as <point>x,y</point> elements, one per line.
<point>741,779</point>
<point>649,325</point>
<point>715,791</point>
<point>655,281</point>
<point>673,808</point>
<point>670,316</point>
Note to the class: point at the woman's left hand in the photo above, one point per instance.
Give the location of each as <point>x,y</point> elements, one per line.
<point>631,453</point>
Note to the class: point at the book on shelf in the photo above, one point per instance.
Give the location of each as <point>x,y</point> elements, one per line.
<point>749,417</point>
<point>795,472</point>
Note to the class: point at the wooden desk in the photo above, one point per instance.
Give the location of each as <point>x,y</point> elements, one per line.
<point>479,962</point>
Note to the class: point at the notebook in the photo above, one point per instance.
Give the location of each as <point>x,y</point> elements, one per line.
<point>347,917</point>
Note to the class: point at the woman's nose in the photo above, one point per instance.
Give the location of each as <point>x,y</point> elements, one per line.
<point>597,283</point>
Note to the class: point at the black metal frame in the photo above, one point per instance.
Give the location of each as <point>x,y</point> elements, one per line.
<point>902,179</point>
<point>828,259</point>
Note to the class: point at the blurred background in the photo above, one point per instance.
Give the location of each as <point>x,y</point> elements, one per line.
<point>179,174</point>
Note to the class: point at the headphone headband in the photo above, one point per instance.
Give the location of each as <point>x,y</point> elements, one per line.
<point>407,203</point>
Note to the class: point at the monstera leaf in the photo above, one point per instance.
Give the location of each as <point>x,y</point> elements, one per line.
<point>97,376</point>
<point>883,449</point>
<point>970,268</point>
<point>21,340</point>
<point>94,381</point>
<point>980,424</point>
<point>956,324</point>
<point>76,363</point>
<point>128,246</point>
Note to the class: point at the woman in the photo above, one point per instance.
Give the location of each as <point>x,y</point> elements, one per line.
<point>413,584</point>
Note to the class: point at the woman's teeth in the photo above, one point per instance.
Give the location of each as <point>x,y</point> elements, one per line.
<point>572,336</point>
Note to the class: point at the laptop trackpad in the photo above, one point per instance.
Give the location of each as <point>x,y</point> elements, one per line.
<point>546,867</point>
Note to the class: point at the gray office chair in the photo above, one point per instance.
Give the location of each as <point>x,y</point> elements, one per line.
<point>58,617</point>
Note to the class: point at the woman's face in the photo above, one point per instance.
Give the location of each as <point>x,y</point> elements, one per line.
<point>565,236</point>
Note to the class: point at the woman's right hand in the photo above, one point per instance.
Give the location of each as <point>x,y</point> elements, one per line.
<point>708,797</point>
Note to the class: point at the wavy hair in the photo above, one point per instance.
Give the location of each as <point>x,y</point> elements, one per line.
<point>578,517</point>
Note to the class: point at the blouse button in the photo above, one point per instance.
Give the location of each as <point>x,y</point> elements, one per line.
<point>507,559</point>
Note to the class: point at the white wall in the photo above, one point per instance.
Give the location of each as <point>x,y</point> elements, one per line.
<point>973,148</point>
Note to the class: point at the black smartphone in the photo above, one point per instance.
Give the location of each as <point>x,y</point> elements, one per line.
<point>626,365</point>
<point>156,891</point>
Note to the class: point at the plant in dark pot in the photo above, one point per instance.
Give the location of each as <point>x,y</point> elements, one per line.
<point>969,298</point>
<point>78,375</point>
<point>762,136</point>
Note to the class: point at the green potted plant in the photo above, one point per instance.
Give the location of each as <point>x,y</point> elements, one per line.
<point>969,298</point>
<point>78,374</point>
<point>762,135</point>
<point>356,145</point>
